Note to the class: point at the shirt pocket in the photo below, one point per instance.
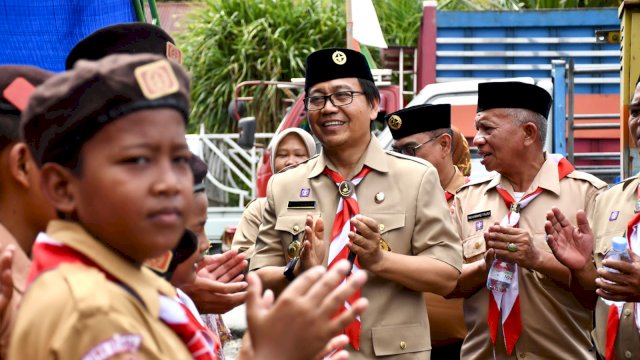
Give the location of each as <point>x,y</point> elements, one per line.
<point>474,247</point>
<point>387,222</point>
<point>399,339</point>
<point>293,228</point>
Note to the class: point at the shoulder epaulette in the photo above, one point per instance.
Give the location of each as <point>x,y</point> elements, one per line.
<point>581,175</point>
<point>298,164</point>
<point>250,202</point>
<point>407,157</point>
<point>627,181</point>
<point>478,181</point>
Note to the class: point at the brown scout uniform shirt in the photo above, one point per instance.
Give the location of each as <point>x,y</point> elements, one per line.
<point>244,240</point>
<point>73,309</point>
<point>614,208</point>
<point>413,219</point>
<point>19,272</point>
<point>554,324</point>
<point>446,319</point>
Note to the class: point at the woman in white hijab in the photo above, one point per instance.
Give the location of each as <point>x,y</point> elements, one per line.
<point>289,147</point>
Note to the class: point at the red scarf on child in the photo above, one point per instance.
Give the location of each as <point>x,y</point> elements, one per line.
<point>48,254</point>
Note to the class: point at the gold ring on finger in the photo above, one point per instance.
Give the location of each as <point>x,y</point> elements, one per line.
<point>512,247</point>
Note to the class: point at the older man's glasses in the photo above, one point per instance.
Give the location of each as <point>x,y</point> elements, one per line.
<point>410,149</point>
<point>340,98</point>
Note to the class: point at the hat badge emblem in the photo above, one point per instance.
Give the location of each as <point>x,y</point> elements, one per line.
<point>395,122</point>
<point>339,57</point>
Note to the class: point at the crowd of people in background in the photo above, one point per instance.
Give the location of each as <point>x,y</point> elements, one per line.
<point>356,251</point>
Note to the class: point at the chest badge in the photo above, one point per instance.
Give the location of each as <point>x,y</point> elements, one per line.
<point>614,215</point>
<point>479,225</point>
<point>305,192</point>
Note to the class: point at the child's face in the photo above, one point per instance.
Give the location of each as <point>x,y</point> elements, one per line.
<point>135,185</point>
<point>185,273</point>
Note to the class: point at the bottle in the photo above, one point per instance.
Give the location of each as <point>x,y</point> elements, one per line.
<point>619,251</point>
<point>500,275</point>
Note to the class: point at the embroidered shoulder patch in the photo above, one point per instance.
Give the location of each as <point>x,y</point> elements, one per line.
<point>117,344</point>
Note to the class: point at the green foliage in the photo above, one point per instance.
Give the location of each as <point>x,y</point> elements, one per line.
<point>230,41</point>
<point>399,20</point>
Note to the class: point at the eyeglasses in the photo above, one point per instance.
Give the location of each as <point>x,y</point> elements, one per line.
<point>340,98</point>
<point>410,150</point>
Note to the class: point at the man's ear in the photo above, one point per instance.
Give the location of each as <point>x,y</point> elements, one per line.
<point>375,108</point>
<point>530,133</point>
<point>19,164</point>
<point>444,141</point>
<point>59,186</point>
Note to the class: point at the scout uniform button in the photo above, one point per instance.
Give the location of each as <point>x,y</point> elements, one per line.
<point>381,227</point>
<point>476,245</point>
<point>296,228</point>
<point>627,312</point>
<point>379,197</point>
<point>403,345</point>
<point>523,355</point>
<point>628,354</point>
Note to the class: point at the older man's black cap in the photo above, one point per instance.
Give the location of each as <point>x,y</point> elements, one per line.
<point>335,63</point>
<point>199,169</point>
<point>69,108</point>
<point>418,119</point>
<point>513,95</point>
<point>127,38</point>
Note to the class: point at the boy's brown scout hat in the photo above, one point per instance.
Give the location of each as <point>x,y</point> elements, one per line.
<point>68,109</point>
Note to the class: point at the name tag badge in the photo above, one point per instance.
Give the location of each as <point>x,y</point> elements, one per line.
<point>479,215</point>
<point>301,205</point>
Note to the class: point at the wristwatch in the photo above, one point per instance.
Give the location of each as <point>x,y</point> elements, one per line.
<point>288,270</point>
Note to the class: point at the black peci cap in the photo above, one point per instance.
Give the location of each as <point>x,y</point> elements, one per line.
<point>513,95</point>
<point>335,63</point>
<point>418,119</point>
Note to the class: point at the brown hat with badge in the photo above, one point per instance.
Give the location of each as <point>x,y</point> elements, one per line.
<point>418,119</point>
<point>17,83</point>
<point>68,109</point>
<point>513,95</point>
<point>335,63</point>
<point>127,38</point>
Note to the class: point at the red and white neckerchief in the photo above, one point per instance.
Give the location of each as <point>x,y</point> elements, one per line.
<point>338,250</point>
<point>615,307</point>
<point>49,253</point>
<point>504,308</point>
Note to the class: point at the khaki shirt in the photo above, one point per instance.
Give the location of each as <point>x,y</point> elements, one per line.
<point>614,209</point>
<point>74,311</point>
<point>446,319</point>
<point>244,240</point>
<point>413,220</point>
<point>555,325</point>
<point>19,272</point>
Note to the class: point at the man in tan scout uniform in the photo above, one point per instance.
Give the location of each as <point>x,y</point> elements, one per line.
<point>615,214</point>
<point>394,195</point>
<point>425,131</point>
<point>504,215</point>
